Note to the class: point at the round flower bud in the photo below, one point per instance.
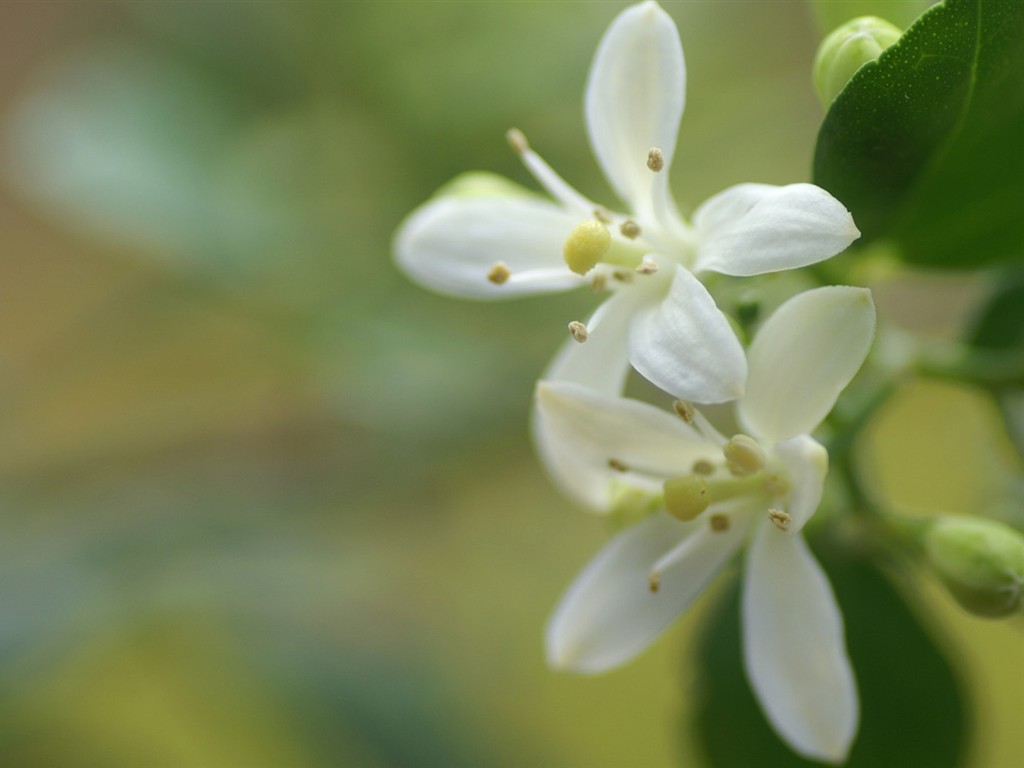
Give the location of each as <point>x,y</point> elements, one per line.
<point>846,50</point>
<point>981,562</point>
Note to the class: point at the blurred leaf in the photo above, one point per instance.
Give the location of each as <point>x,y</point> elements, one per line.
<point>911,713</point>
<point>1000,323</point>
<point>924,145</point>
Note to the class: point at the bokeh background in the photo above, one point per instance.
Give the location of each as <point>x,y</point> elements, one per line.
<point>265,503</point>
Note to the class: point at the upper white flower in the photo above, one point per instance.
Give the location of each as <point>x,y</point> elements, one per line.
<point>660,317</point>
<point>767,483</point>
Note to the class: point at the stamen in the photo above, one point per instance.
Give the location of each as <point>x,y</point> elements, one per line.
<point>618,466</point>
<point>578,331</point>
<point>780,518</point>
<point>623,277</point>
<point>686,497</point>
<point>630,229</point>
<point>603,215</point>
<point>655,160</point>
<point>586,245</point>
<point>598,283</point>
<point>648,266</point>
<point>500,273</point>
<point>743,456</point>
<point>654,581</point>
<point>703,467</point>
<point>684,410</point>
<point>719,523</point>
<point>545,175</point>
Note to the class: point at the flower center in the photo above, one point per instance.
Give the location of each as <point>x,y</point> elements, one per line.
<point>591,243</point>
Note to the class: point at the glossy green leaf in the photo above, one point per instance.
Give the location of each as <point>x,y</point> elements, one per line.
<point>926,145</point>
<point>911,713</point>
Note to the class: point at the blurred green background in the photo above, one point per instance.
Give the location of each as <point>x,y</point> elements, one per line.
<point>265,503</point>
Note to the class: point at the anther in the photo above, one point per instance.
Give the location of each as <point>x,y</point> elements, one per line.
<point>598,283</point>
<point>703,467</point>
<point>780,519</point>
<point>499,273</point>
<point>655,160</point>
<point>776,485</point>
<point>623,276</point>
<point>603,215</point>
<point>654,581</point>
<point>618,466</point>
<point>517,140</point>
<point>586,245</point>
<point>719,523</point>
<point>743,456</point>
<point>630,229</point>
<point>647,266</point>
<point>684,410</point>
<point>686,497</point>
<point>578,331</point>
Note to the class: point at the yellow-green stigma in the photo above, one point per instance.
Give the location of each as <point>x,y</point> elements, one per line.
<point>586,245</point>
<point>686,496</point>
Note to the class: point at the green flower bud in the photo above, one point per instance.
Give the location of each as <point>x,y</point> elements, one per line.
<point>846,50</point>
<point>981,562</point>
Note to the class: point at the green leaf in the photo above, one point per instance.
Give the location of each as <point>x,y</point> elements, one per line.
<point>911,712</point>
<point>1000,323</point>
<point>926,145</point>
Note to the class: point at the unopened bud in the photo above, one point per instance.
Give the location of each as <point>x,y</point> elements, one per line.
<point>846,50</point>
<point>981,562</point>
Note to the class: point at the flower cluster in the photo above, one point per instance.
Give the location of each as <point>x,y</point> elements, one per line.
<point>705,495</point>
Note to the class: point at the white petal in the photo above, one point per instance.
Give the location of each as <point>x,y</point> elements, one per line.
<point>578,431</point>
<point>634,99</point>
<point>602,361</point>
<point>793,647</point>
<point>609,614</point>
<point>685,345</point>
<point>751,229</point>
<point>451,244</point>
<point>803,357</point>
<point>806,465</point>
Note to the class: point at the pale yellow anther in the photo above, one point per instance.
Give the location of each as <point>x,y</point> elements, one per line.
<point>578,331</point>
<point>654,581</point>
<point>500,273</point>
<point>517,140</point>
<point>719,523</point>
<point>780,518</point>
<point>743,456</point>
<point>655,159</point>
<point>599,283</point>
<point>703,467</point>
<point>776,485</point>
<point>586,245</point>
<point>647,266</point>
<point>618,466</point>
<point>686,496</point>
<point>630,229</point>
<point>684,410</point>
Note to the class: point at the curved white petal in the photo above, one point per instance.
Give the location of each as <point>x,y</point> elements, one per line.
<point>803,357</point>
<point>793,647</point>
<point>451,244</point>
<point>751,229</point>
<point>590,442</point>
<point>602,361</point>
<point>634,99</point>
<point>610,614</point>
<point>685,345</point>
<point>806,464</point>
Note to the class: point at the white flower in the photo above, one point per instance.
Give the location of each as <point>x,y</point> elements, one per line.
<point>660,317</point>
<point>766,483</point>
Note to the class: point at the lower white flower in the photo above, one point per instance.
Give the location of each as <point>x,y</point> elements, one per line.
<point>764,484</point>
